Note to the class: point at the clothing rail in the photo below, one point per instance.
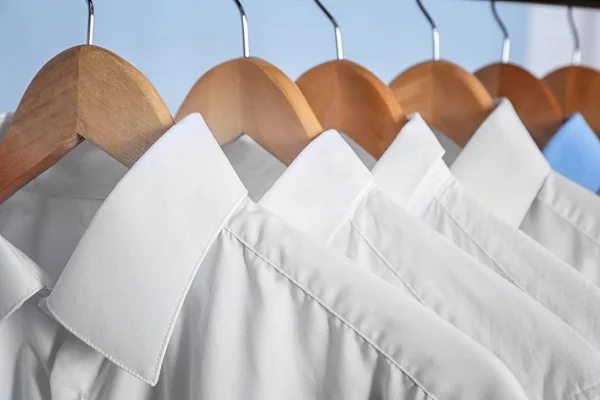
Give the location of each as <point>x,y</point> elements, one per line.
<point>574,3</point>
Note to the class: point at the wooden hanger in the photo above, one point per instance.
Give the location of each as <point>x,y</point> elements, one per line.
<point>532,99</point>
<point>85,92</point>
<point>577,88</point>
<point>249,95</point>
<point>447,96</point>
<point>347,97</point>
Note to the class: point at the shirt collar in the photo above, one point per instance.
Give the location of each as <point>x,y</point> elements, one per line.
<point>123,288</point>
<point>20,279</point>
<point>86,172</point>
<point>574,151</point>
<point>501,166</point>
<point>321,187</point>
<point>402,168</point>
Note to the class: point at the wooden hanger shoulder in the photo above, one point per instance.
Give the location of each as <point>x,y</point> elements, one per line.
<point>447,96</point>
<point>532,99</point>
<point>577,89</point>
<point>251,96</point>
<point>348,97</point>
<point>84,92</point>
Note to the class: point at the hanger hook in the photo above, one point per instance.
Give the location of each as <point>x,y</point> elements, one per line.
<point>90,23</point>
<point>336,27</point>
<point>576,58</point>
<point>506,41</point>
<point>245,41</point>
<point>434,31</point>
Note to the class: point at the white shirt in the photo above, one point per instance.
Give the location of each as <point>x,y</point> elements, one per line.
<point>47,217</point>
<point>180,281</point>
<point>28,337</point>
<point>328,193</point>
<point>414,175</point>
<point>502,167</point>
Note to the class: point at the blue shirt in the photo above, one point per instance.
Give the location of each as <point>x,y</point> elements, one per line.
<point>574,151</point>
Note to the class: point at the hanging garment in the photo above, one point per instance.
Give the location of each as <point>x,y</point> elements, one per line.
<point>328,193</point>
<point>574,152</point>
<point>49,215</point>
<point>28,336</point>
<point>412,173</point>
<point>182,282</point>
<point>504,170</point>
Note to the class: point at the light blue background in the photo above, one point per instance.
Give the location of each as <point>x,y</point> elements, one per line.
<point>174,42</point>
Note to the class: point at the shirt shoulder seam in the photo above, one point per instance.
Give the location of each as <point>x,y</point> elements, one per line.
<point>352,209</point>
<point>333,313</point>
<point>508,276</point>
<point>479,246</point>
<point>387,263</point>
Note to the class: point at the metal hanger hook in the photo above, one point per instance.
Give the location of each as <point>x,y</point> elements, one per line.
<point>576,58</point>
<point>90,22</point>
<point>245,41</point>
<point>336,27</point>
<point>434,31</point>
<point>506,41</point>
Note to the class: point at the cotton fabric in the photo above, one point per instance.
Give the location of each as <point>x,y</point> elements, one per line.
<point>504,170</point>
<point>28,336</point>
<point>183,288</point>
<point>412,173</point>
<point>328,193</point>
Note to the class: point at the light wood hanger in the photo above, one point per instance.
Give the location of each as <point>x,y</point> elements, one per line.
<point>532,99</point>
<point>348,97</point>
<point>577,88</point>
<point>448,97</point>
<point>249,95</point>
<point>85,92</point>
